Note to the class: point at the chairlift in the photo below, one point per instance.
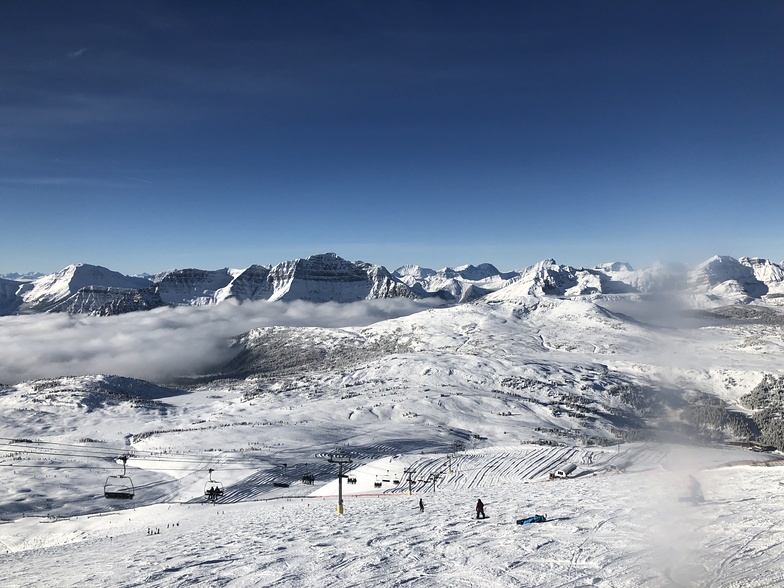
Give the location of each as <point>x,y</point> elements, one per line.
<point>119,486</point>
<point>308,479</point>
<point>212,488</point>
<point>377,484</point>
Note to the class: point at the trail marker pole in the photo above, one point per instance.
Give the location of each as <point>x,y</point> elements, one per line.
<point>339,458</point>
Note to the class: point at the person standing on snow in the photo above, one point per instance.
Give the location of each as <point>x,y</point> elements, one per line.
<point>421,506</point>
<point>480,509</point>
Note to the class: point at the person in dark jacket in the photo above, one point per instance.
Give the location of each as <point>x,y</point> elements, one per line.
<point>421,506</point>
<point>480,509</point>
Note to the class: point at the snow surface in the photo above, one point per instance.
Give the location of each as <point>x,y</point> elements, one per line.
<point>604,529</point>
<point>473,401</point>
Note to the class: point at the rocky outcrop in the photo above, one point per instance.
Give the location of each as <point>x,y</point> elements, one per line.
<point>327,277</point>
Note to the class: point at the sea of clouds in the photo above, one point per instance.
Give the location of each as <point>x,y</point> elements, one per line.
<point>164,343</point>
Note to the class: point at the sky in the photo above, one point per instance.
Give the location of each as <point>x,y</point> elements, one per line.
<point>144,136</point>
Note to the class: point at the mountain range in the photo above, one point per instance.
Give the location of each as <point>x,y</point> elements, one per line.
<point>95,290</point>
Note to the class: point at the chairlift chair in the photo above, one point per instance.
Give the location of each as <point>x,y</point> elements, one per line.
<point>212,488</point>
<point>120,486</point>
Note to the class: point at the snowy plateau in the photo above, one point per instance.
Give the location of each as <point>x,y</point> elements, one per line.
<point>585,395</point>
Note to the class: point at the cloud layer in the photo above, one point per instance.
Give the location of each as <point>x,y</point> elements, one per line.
<point>163,343</point>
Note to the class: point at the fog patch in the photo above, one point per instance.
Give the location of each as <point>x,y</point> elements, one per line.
<point>164,343</point>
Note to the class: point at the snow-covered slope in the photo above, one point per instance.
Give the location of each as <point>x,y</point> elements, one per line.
<point>619,530</point>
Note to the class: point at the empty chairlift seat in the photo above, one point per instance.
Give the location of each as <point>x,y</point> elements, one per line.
<point>118,487</point>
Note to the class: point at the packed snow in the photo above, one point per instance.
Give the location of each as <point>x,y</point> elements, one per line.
<point>448,405</point>
<point>603,528</point>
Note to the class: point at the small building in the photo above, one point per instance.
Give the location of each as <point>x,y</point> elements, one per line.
<point>565,470</point>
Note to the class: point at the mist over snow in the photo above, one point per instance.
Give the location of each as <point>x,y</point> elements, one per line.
<point>165,342</point>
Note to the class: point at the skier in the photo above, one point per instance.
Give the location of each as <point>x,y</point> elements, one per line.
<point>421,506</point>
<point>480,509</point>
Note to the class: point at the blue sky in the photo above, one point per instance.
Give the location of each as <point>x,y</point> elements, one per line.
<point>145,136</point>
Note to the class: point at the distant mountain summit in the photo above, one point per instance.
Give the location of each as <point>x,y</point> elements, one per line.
<point>91,289</point>
<point>767,272</point>
<point>79,288</point>
<point>725,276</point>
<point>460,284</point>
<point>26,277</point>
<point>548,278</point>
<point>327,277</point>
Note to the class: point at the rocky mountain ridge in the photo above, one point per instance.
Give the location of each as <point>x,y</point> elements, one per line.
<point>94,290</point>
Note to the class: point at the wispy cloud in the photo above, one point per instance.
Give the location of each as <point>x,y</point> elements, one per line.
<point>78,53</point>
<point>162,343</point>
<point>39,181</point>
<point>68,181</point>
<point>135,179</point>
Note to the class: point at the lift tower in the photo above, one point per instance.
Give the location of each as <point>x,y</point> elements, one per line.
<point>340,458</point>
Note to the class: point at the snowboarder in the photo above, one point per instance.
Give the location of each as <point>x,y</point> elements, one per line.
<point>480,509</point>
<point>421,506</point>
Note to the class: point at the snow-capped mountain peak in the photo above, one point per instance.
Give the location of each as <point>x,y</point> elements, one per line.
<point>51,290</point>
<point>91,289</point>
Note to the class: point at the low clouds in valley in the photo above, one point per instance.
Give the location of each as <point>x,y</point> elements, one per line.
<point>162,343</point>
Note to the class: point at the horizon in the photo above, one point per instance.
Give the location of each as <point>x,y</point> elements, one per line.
<point>178,135</point>
<point>635,267</point>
